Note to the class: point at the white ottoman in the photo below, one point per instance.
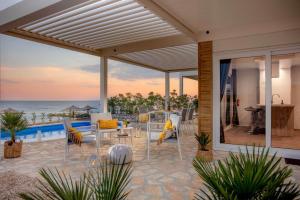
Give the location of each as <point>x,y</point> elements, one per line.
<point>118,152</point>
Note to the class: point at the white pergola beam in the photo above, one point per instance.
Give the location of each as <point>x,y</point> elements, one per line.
<point>164,14</point>
<point>27,11</point>
<point>157,43</point>
<point>103,84</point>
<point>167,90</point>
<point>180,85</point>
<point>133,62</point>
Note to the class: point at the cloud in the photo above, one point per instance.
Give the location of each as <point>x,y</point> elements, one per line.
<point>153,83</point>
<point>91,68</point>
<point>8,81</point>
<point>124,71</point>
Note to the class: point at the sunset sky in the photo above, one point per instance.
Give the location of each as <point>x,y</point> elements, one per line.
<point>32,71</point>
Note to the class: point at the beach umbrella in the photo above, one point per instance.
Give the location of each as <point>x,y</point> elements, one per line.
<point>87,108</point>
<point>71,109</point>
<point>9,110</point>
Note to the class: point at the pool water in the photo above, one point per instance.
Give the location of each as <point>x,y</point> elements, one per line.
<point>48,132</point>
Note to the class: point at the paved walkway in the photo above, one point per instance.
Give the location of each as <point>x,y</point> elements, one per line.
<point>164,176</point>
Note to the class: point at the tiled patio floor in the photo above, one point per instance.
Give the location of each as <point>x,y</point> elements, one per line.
<point>164,176</point>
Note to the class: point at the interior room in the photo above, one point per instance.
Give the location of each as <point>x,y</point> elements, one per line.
<point>243,105</point>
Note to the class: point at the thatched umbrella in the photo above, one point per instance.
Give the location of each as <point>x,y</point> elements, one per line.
<point>9,110</point>
<point>72,109</point>
<point>87,108</point>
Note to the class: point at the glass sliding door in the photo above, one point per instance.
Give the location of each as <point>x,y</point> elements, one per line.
<point>242,101</point>
<point>285,108</point>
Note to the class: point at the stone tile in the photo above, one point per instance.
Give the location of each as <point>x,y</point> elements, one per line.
<point>164,176</point>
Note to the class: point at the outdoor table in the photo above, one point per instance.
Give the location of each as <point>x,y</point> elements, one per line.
<point>123,132</point>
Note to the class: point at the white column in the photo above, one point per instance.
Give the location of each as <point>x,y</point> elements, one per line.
<point>167,89</point>
<point>103,84</point>
<point>180,85</point>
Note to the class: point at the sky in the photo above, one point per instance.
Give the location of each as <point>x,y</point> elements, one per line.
<point>33,71</point>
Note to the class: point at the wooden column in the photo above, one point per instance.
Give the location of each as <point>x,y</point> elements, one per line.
<point>205,87</point>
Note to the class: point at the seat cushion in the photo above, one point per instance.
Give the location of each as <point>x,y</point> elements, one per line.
<point>88,138</point>
<point>118,152</point>
<point>154,136</point>
<point>108,124</point>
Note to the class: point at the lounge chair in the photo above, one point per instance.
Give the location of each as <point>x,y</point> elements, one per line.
<point>190,121</point>
<point>153,131</point>
<point>87,138</point>
<point>95,117</point>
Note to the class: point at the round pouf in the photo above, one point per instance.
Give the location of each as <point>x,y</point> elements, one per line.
<point>118,152</point>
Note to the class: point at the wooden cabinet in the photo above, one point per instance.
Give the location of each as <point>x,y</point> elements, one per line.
<point>282,120</point>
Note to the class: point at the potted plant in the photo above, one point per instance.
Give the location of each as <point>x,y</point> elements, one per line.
<point>13,122</point>
<point>203,141</point>
<point>125,123</point>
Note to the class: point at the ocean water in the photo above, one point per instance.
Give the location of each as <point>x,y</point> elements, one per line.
<point>39,107</point>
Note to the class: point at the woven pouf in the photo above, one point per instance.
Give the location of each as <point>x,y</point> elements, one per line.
<point>118,152</point>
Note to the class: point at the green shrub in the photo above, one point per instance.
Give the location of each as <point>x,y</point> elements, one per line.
<point>250,176</point>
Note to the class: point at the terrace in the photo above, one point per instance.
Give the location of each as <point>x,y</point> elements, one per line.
<point>241,61</point>
<point>164,176</point>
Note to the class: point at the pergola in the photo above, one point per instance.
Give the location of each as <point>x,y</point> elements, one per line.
<point>186,74</point>
<point>164,35</point>
<point>125,30</point>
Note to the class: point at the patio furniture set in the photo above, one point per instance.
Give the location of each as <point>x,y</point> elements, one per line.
<point>120,151</point>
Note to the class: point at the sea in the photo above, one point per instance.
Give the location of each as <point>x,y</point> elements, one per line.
<point>39,107</point>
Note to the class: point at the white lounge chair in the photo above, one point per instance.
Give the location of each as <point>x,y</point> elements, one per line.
<point>86,138</point>
<point>153,132</point>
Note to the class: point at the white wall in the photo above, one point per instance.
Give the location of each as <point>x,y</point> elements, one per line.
<point>287,37</point>
<point>280,85</point>
<point>295,98</point>
<point>247,93</point>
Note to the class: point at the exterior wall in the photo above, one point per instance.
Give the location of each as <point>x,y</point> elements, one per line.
<point>258,41</point>
<point>295,100</point>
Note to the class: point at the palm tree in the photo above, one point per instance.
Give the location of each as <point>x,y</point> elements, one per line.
<point>13,122</point>
<point>107,182</point>
<point>33,119</point>
<point>50,115</point>
<point>43,115</point>
<point>249,176</point>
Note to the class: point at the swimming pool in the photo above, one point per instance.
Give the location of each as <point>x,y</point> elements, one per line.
<point>48,132</point>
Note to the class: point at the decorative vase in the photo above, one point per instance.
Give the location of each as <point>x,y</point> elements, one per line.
<point>14,150</point>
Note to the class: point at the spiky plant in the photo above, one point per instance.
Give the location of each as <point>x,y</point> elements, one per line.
<point>107,182</point>
<point>13,122</point>
<point>56,185</point>
<point>110,182</point>
<point>203,140</point>
<point>250,176</point>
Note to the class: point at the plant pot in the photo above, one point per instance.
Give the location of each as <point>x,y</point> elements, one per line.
<point>205,155</point>
<point>14,150</point>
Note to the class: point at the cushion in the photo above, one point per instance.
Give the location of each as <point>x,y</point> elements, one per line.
<point>75,135</point>
<point>168,125</point>
<point>118,152</point>
<point>108,124</point>
<point>143,118</point>
<point>155,135</point>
